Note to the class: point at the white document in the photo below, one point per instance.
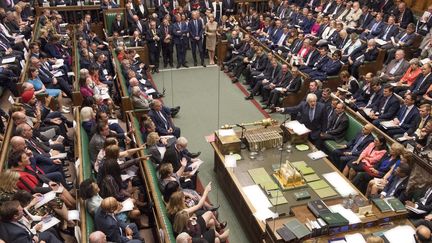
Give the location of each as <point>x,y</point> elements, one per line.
<point>11,100</point>
<point>59,62</point>
<point>400,234</point>
<point>49,224</point>
<point>71,74</point>
<point>195,166</point>
<point>265,213</point>
<point>149,91</point>
<point>57,65</point>
<point>279,89</point>
<point>340,184</point>
<point>404,138</point>
<point>332,48</point>
<point>388,124</point>
<point>73,215</point>
<point>380,42</point>
<point>125,177</point>
<point>226,132</point>
<point>415,210</point>
<point>231,161</point>
<point>59,156</point>
<point>45,199</point>
<point>112,121</point>
<point>346,213</point>
<point>355,238</point>
<point>317,155</point>
<point>143,81</point>
<point>33,217</point>
<point>128,205</point>
<point>257,197</point>
<point>8,60</point>
<point>77,164</point>
<point>161,150</point>
<point>297,127</point>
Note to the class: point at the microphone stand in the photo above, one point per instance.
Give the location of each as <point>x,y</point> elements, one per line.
<point>242,138</point>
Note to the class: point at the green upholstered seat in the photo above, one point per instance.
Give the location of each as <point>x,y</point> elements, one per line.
<point>354,127</point>
<point>87,173</point>
<point>109,19</point>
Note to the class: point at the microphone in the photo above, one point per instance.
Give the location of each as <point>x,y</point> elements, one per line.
<point>239,125</point>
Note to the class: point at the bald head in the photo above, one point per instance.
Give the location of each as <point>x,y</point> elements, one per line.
<point>17,143</point>
<point>97,237</point>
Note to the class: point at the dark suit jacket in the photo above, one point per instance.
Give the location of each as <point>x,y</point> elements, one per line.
<point>420,88</point>
<point>390,110</point>
<point>337,127</point>
<point>141,14</point>
<point>377,30</point>
<point>407,18</point>
<point>317,125</point>
<point>160,124</point>
<point>173,157</point>
<point>231,5</point>
<point>409,38</point>
<point>410,121</point>
<point>180,32</point>
<point>110,226</point>
<point>193,32</point>
<point>365,20</point>
<point>13,233</point>
<point>399,189</point>
<point>281,78</point>
<point>350,145</point>
<point>119,28</point>
<point>293,84</point>
<point>393,31</point>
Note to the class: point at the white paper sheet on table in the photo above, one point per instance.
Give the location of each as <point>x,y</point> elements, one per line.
<point>400,234</point>
<point>226,132</point>
<point>355,238</point>
<point>317,155</point>
<point>340,184</point>
<point>257,197</point>
<point>346,213</point>
<point>297,127</point>
<point>265,213</point>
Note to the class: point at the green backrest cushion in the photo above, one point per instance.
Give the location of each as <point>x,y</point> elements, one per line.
<point>87,171</point>
<point>123,82</point>
<point>155,181</point>
<point>354,127</point>
<point>110,18</point>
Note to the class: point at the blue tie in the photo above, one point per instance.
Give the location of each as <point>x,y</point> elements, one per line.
<point>311,113</point>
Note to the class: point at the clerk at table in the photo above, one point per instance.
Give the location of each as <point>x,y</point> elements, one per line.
<point>312,115</point>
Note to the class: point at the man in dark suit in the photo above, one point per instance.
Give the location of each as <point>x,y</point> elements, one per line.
<point>283,77</point>
<point>290,87</point>
<point>165,30</point>
<point>115,230</point>
<point>153,38</point>
<point>329,7</point>
<point>403,39</point>
<point>312,115</point>
<point>162,119</point>
<point>398,182</point>
<point>337,124</point>
<point>12,230</point>
<point>257,83</point>
<point>374,28</point>
<point>118,25</point>
<point>331,67</point>
<point>204,5</point>
<point>317,62</point>
<point>353,148</point>
<point>141,10</point>
<point>423,81</point>
<point>137,25</point>
<point>180,32</point>
<point>196,29</point>
<point>390,30</point>
<point>365,53</point>
<point>406,119</point>
<point>256,67</point>
<point>364,20</point>
<point>424,24</point>
<point>404,15</point>
<point>130,12</point>
<point>423,203</point>
<point>387,107</point>
<point>229,7</point>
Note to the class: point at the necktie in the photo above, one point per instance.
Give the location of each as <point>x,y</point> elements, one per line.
<point>163,119</point>
<point>374,26</point>
<point>330,114</point>
<point>311,113</point>
<point>426,196</point>
<point>166,30</point>
<point>420,84</point>
<point>403,37</point>
<point>395,68</point>
<point>386,32</point>
<point>196,27</point>
<point>358,143</point>
<point>336,121</point>
<point>402,114</point>
<point>385,104</point>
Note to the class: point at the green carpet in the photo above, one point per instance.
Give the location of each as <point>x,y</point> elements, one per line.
<point>203,110</point>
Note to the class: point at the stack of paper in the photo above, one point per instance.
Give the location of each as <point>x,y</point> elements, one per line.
<point>340,184</point>
<point>226,132</point>
<point>346,213</point>
<point>262,178</point>
<point>388,124</point>
<point>317,155</point>
<point>45,199</point>
<point>297,127</point>
<point>400,234</point>
<point>355,238</point>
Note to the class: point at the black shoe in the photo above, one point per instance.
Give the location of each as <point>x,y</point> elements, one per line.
<point>186,66</point>
<point>165,65</point>
<point>214,208</point>
<point>171,65</point>
<point>263,102</point>
<point>178,66</point>
<point>234,80</point>
<point>249,97</point>
<point>195,64</point>
<point>265,107</point>
<point>202,64</point>
<point>157,70</point>
<point>194,155</point>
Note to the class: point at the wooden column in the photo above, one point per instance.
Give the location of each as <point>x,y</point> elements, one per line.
<point>221,51</point>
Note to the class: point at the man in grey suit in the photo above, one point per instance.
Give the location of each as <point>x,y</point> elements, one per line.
<point>97,141</point>
<point>395,69</point>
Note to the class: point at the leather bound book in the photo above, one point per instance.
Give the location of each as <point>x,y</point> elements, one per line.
<point>317,207</point>
<point>334,219</point>
<point>286,234</point>
<point>397,205</point>
<point>382,205</point>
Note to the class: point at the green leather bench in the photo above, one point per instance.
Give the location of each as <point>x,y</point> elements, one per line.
<point>354,127</point>
<point>87,173</point>
<point>157,197</point>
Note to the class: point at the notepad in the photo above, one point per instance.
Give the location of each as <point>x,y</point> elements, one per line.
<point>311,177</point>
<point>278,200</point>
<point>326,192</point>
<point>315,185</point>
